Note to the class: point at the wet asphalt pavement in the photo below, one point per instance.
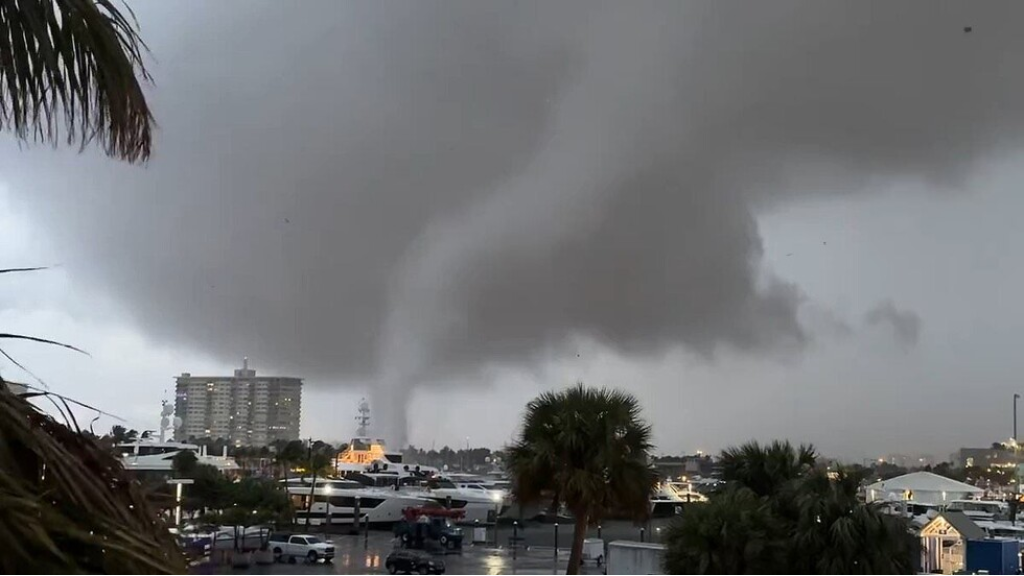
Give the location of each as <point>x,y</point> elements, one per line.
<point>534,555</point>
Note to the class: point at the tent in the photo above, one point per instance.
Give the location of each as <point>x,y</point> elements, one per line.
<point>921,487</point>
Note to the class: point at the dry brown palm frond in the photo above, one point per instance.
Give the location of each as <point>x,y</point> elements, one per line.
<point>68,506</point>
<point>71,68</point>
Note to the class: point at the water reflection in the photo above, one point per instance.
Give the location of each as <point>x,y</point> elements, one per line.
<point>373,561</point>
<point>494,564</point>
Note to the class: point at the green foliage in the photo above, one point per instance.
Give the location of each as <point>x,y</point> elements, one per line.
<point>289,454</point>
<point>68,504</point>
<point>836,534</point>
<point>734,533</point>
<point>588,449</point>
<point>71,70</point>
<point>766,469</point>
<point>782,514</point>
<point>245,502</point>
<point>248,502</point>
<point>319,457</point>
<point>184,463</point>
<point>210,491</point>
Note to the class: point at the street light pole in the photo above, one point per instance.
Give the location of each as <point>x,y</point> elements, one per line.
<point>178,482</point>
<point>1015,398</point>
<point>1016,447</point>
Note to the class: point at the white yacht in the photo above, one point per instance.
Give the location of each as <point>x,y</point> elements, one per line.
<point>150,456</point>
<point>665,502</point>
<point>685,492</point>
<point>1001,529</point>
<point>365,454</point>
<point>478,504</point>
<point>334,501</point>
<point>368,462</point>
<point>981,509</point>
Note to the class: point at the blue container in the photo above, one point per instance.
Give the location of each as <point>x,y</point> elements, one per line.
<point>995,556</point>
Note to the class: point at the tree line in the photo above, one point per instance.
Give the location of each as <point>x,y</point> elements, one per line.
<point>781,511</point>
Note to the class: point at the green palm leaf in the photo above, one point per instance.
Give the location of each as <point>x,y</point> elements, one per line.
<point>588,449</point>
<point>70,69</point>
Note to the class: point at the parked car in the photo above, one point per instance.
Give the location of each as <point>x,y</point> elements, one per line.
<point>409,561</point>
<point>430,532</point>
<point>291,546</point>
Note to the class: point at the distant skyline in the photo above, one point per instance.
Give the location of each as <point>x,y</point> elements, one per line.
<point>782,220</point>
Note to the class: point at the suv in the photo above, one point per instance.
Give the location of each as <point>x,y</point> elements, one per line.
<point>433,532</point>
<point>292,546</point>
<point>410,561</point>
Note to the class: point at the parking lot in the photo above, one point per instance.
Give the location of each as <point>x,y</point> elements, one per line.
<point>361,555</point>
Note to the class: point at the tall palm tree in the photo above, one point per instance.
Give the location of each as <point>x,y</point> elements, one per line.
<point>588,449</point>
<point>70,70</point>
<point>317,463</point>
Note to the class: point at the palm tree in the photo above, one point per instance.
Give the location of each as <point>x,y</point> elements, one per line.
<point>782,513</point>
<point>768,469</point>
<point>734,533</point>
<point>70,70</point>
<point>69,504</point>
<point>834,533</point>
<point>289,454</point>
<point>588,449</point>
<point>317,463</point>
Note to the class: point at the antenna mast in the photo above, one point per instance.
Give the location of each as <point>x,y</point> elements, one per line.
<point>363,419</point>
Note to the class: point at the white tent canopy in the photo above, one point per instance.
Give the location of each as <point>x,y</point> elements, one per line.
<point>921,487</point>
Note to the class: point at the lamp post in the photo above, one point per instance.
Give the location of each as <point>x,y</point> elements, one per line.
<point>178,482</point>
<point>556,540</point>
<point>1015,398</point>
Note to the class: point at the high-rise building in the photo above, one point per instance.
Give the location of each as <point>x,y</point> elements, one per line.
<point>244,409</point>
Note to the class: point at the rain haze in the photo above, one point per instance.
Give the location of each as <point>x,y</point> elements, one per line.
<point>767,220</point>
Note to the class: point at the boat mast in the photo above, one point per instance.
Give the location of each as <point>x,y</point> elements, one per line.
<point>363,419</point>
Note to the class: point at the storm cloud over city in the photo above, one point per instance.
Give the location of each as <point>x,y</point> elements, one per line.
<point>752,215</point>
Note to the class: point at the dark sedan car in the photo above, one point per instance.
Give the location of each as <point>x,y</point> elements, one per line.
<point>409,561</point>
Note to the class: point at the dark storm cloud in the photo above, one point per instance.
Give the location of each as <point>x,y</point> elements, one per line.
<point>399,192</point>
<point>905,324</point>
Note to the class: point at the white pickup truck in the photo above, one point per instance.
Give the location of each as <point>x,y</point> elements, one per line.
<point>292,546</point>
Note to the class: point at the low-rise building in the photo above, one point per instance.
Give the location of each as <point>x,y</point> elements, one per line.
<point>944,542</point>
<point>996,456</point>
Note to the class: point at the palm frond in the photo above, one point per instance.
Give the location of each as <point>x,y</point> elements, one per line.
<point>41,341</point>
<point>23,368</point>
<point>588,448</point>
<point>69,505</point>
<point>71,69</point>
<point>12,270</point>
<point>43,392</point>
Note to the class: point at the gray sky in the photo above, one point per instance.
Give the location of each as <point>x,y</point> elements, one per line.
<point>787,219</point>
